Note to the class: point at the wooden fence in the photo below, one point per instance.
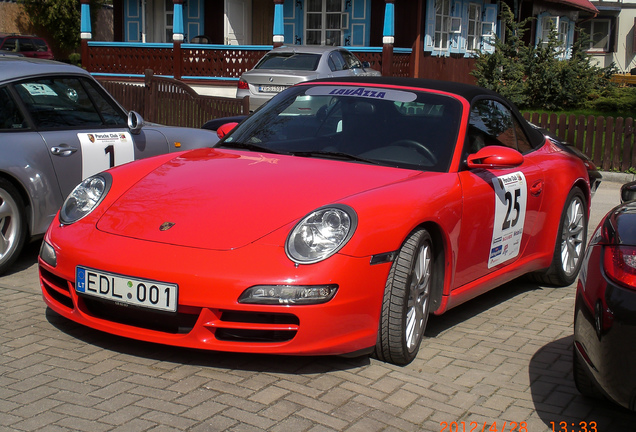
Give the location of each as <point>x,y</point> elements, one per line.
<point>192,61</point>
<point>609,142</point>
<point>171,102</point>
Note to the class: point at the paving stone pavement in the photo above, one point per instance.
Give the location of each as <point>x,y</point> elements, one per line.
<point>501,362</point>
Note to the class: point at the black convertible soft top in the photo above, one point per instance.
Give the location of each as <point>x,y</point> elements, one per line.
<point>469,92</point>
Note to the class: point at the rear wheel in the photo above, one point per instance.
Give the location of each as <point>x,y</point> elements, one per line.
<point>583,382</point>
<point>12,225</point>
<point>407,299</point>
<point>570,243</point>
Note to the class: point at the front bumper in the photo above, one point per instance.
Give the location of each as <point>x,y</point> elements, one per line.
<point>210,283</point>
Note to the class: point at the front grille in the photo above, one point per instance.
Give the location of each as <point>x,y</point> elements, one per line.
<point>256,327</point>
<point>56,287</point>
<point>166,322</point>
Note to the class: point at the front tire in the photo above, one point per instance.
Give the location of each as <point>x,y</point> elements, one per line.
<point>570,243</point>
<point>407,300</point>
<point>12,225</point>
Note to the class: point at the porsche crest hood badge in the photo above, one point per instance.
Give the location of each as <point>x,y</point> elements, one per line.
<point>166,226</point>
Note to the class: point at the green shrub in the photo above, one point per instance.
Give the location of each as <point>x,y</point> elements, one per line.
<point>615,99</point>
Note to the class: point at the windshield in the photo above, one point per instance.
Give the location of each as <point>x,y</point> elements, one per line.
<point>289,61</point>
<point>400,128</point>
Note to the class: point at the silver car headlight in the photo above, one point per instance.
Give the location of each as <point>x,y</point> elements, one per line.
<point>85,198</point>
<point>321,234</point>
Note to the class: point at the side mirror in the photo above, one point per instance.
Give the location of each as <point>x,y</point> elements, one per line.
<point>497,157</point>
<point>225,129</point>
<point>135,122</point>
<point>628,192</point>
<point>366,65</point>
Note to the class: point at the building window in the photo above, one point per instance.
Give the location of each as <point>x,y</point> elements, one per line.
<point>474,27</point>
<point>323,22</point>
<point>554,23</point>
<point>168,16</point>
<point>460,27</point>
<point>563,29</point>
<point>598,32</point>
<point>442,24</point>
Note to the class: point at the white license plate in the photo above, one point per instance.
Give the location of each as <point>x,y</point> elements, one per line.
<point>127,290</point>
<point>271,89</point>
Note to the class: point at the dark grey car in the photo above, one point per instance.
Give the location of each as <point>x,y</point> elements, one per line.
<point>57,127</point>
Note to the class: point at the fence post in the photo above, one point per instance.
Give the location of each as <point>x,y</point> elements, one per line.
<point>148,108</point>
<point>597,133</point>
<point>608,144</point>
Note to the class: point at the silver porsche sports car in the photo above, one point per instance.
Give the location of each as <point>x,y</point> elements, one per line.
<point>58,126</point>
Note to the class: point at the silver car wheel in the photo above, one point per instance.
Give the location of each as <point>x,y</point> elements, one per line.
<point>407,300</point>
<point>419,295</point>
<point>12,225</point>
<point>572,240</point>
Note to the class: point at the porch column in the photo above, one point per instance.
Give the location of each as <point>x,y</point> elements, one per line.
<point>177,37</point>
<point>418,48</point>
<point>85,30</point>
<point>388,38</point>
<point>279,23</point>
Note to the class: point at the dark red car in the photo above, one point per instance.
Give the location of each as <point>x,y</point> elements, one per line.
<point>27,45</point>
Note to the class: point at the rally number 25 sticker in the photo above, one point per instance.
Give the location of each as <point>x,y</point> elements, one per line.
<point>511,195</point>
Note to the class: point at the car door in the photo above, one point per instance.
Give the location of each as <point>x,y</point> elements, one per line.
<point>24,157</point>
<point>83,129</point>
<point>500,206</point>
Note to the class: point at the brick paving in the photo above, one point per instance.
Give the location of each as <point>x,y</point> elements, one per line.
<point>503,357</point>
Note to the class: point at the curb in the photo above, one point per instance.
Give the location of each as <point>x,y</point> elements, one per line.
<point>616,177</point>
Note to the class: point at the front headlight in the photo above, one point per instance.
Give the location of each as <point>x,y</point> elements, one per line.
<point>85,198</point>
<point>288,294</point>
<point>321,234</point>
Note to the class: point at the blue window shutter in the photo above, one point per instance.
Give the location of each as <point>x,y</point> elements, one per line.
<point>490,18</point>
<point>455,38</point>
<point>293,22</point>
<point>194,19</point>
<point>358,31</point>
<point>464,36</point>
<point>570,39</point>
<point>132,21</point>
<point>429,25</point>
<point>539,29</point>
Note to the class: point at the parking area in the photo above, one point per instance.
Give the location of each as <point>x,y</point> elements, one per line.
<point>501,362</point>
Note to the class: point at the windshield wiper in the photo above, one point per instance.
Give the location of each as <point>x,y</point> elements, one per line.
<point>250,146</point>
<point>335,155</point>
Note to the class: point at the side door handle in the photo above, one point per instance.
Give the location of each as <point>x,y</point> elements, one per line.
<point>63,150</point>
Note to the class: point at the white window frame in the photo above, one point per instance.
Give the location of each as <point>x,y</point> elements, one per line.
<point>323,30</point>
<point>607,36</point>
<point>168,19</point>
<point>562,28</point>
<point>473,40</point>
<point>441,37</point>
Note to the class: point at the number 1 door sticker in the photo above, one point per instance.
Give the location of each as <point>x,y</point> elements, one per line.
<point>104,150</point>
<point>511,193</point>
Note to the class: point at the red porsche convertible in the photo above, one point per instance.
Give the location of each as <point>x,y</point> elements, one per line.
<point>333,220</point>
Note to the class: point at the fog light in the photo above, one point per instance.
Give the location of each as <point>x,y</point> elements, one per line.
<point>48,255</point>
<point>288,294</point>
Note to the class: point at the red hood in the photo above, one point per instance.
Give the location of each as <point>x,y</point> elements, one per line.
<point>219,199</point>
